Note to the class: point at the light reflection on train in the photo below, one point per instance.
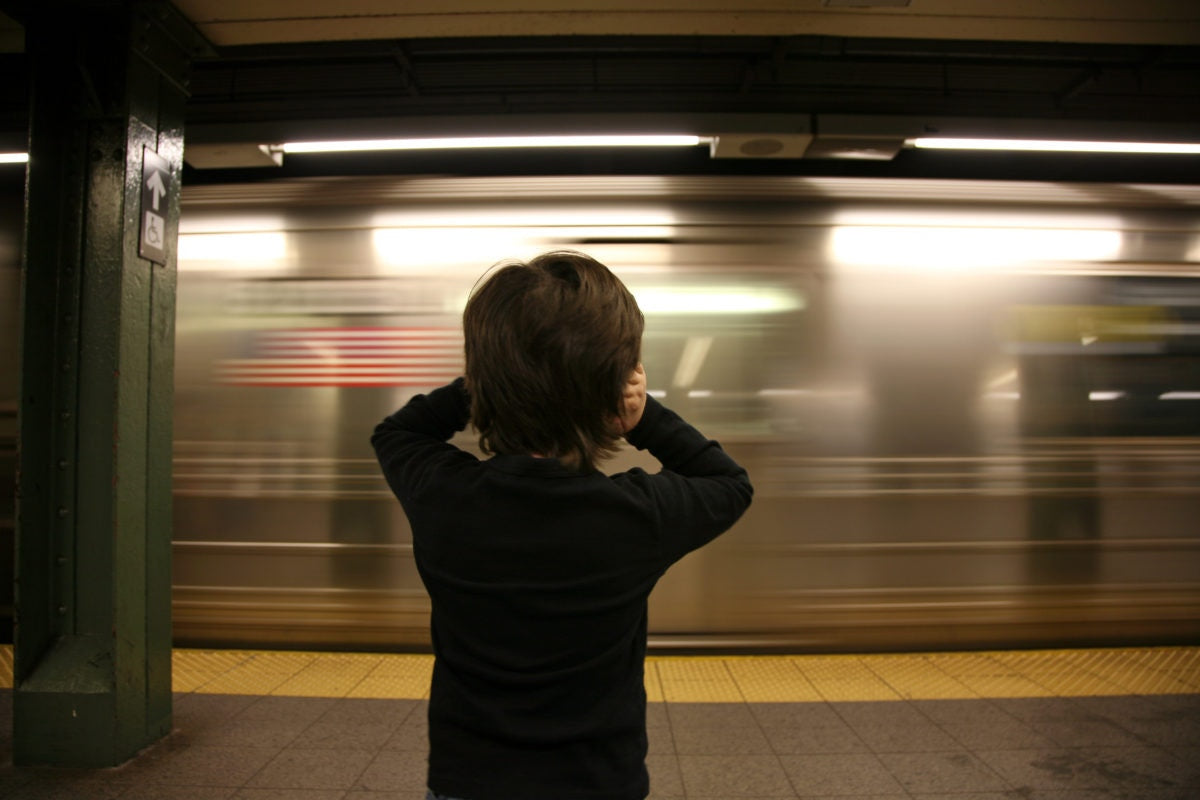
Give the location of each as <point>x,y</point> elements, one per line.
<point>971,411</point>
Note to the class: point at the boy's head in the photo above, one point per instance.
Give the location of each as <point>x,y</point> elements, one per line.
<point>549,346</point>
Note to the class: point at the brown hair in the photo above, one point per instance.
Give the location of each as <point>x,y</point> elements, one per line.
<point>549,346</point>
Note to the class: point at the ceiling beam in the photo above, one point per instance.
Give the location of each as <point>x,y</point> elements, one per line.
<point>241,22</point>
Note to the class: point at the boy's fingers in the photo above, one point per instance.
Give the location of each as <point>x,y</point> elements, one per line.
<point>638,375</point>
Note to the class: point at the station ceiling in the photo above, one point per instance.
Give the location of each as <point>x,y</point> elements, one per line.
<point>282,70</point>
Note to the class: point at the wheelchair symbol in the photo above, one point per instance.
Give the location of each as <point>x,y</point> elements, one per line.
<point>152,233</point>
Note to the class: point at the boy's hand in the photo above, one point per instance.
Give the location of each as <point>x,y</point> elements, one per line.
<point>633,400</point>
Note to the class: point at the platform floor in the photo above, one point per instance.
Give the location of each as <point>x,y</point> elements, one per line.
<point>1046,725</point>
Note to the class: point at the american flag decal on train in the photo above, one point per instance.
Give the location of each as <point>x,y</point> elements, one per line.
<point>348,357</point>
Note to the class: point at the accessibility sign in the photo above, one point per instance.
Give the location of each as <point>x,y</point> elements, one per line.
<point>156,191</point>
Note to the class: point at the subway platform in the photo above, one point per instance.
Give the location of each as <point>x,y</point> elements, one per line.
<point>1042,725</point>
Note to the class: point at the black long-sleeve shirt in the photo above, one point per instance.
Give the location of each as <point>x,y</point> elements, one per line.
<point>539,576</point>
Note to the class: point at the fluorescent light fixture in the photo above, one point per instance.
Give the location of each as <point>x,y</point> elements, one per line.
<point>486,142</point>
<point>1179,396</point>
<point>14,158</point>
<point>1056,146</point>
<point>1105,396</point>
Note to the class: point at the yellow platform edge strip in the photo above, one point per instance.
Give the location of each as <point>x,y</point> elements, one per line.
<point>722,679</point>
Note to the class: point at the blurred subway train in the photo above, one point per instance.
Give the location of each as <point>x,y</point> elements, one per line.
<point>971,410</point>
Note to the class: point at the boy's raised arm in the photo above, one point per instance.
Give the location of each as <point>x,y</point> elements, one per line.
<point>700,492</point>
<point>418,433</point>
<point>438,415</point>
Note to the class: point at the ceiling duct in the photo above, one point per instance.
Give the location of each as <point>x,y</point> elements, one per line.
<point>760,145</point>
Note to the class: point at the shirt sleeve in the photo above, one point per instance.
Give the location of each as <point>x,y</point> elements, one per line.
<point>413,443</point>
<point>700,492</point>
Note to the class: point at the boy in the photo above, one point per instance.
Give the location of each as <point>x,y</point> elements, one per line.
<point>538,566</point>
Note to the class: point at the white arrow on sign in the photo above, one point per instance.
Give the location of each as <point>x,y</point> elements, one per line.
<point>157,190</point>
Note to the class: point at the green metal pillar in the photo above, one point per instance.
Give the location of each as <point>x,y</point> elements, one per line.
<point>93,594</point>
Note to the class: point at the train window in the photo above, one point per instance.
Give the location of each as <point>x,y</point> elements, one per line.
<point>1128,367</point>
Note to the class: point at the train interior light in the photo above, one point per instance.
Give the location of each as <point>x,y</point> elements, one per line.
<point>414,250</point>
<point>249,250</point>
<point>14,158</point>
<point>949,240</point>
<point>695,351</point>
<point>960,249</point>
<point>716,300</point>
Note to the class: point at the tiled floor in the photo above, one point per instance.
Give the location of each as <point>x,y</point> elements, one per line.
<point>1067,725</point>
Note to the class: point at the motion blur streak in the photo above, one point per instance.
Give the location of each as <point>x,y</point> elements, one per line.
<point>348,357</point>
<point>241,251</point>
<point>928,248</point>
<point>984,432</point>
